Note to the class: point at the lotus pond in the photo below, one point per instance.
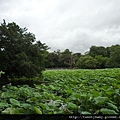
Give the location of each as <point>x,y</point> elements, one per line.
<point>67,92</point>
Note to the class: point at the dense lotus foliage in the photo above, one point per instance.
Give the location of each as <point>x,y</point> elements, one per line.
<point>78,91</point>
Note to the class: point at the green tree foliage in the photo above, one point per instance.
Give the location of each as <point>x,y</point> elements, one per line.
<point>114,60</point>
<point>58,59</point>
<point>66,58</point>
<point>86,61</point>
<point>52,60</point>
<point>18,55</point>
<point>100,50</point>
<point>97,57</point>
<point>101,61</point>
<point>75,58</point>
<point>106,57</point>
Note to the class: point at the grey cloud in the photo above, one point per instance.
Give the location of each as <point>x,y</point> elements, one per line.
<point>73,24</point>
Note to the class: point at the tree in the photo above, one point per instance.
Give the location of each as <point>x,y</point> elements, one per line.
<point>86,62</point>
<point>101,61</point>
<point>100,50</point>
<point>18,55</point>
<point>52,60</point>
<point>75,58</point>
<point>114,60</point>
<point>66,59</point>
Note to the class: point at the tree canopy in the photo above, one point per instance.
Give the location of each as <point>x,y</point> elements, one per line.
<point>97,57</point>
<point>20,54</point>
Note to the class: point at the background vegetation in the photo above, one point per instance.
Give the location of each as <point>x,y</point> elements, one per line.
<point>98,57</point>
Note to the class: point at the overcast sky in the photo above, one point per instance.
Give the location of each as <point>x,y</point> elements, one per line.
<point>62,24</point>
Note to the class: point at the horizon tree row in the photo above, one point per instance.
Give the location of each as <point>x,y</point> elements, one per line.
<point>97,57</point>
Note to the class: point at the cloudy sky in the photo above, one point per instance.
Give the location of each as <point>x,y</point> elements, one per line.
<point>62,24</point>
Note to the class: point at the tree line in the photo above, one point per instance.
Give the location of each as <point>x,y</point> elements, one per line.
<point>22,55</point>
<point>98,57</point>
